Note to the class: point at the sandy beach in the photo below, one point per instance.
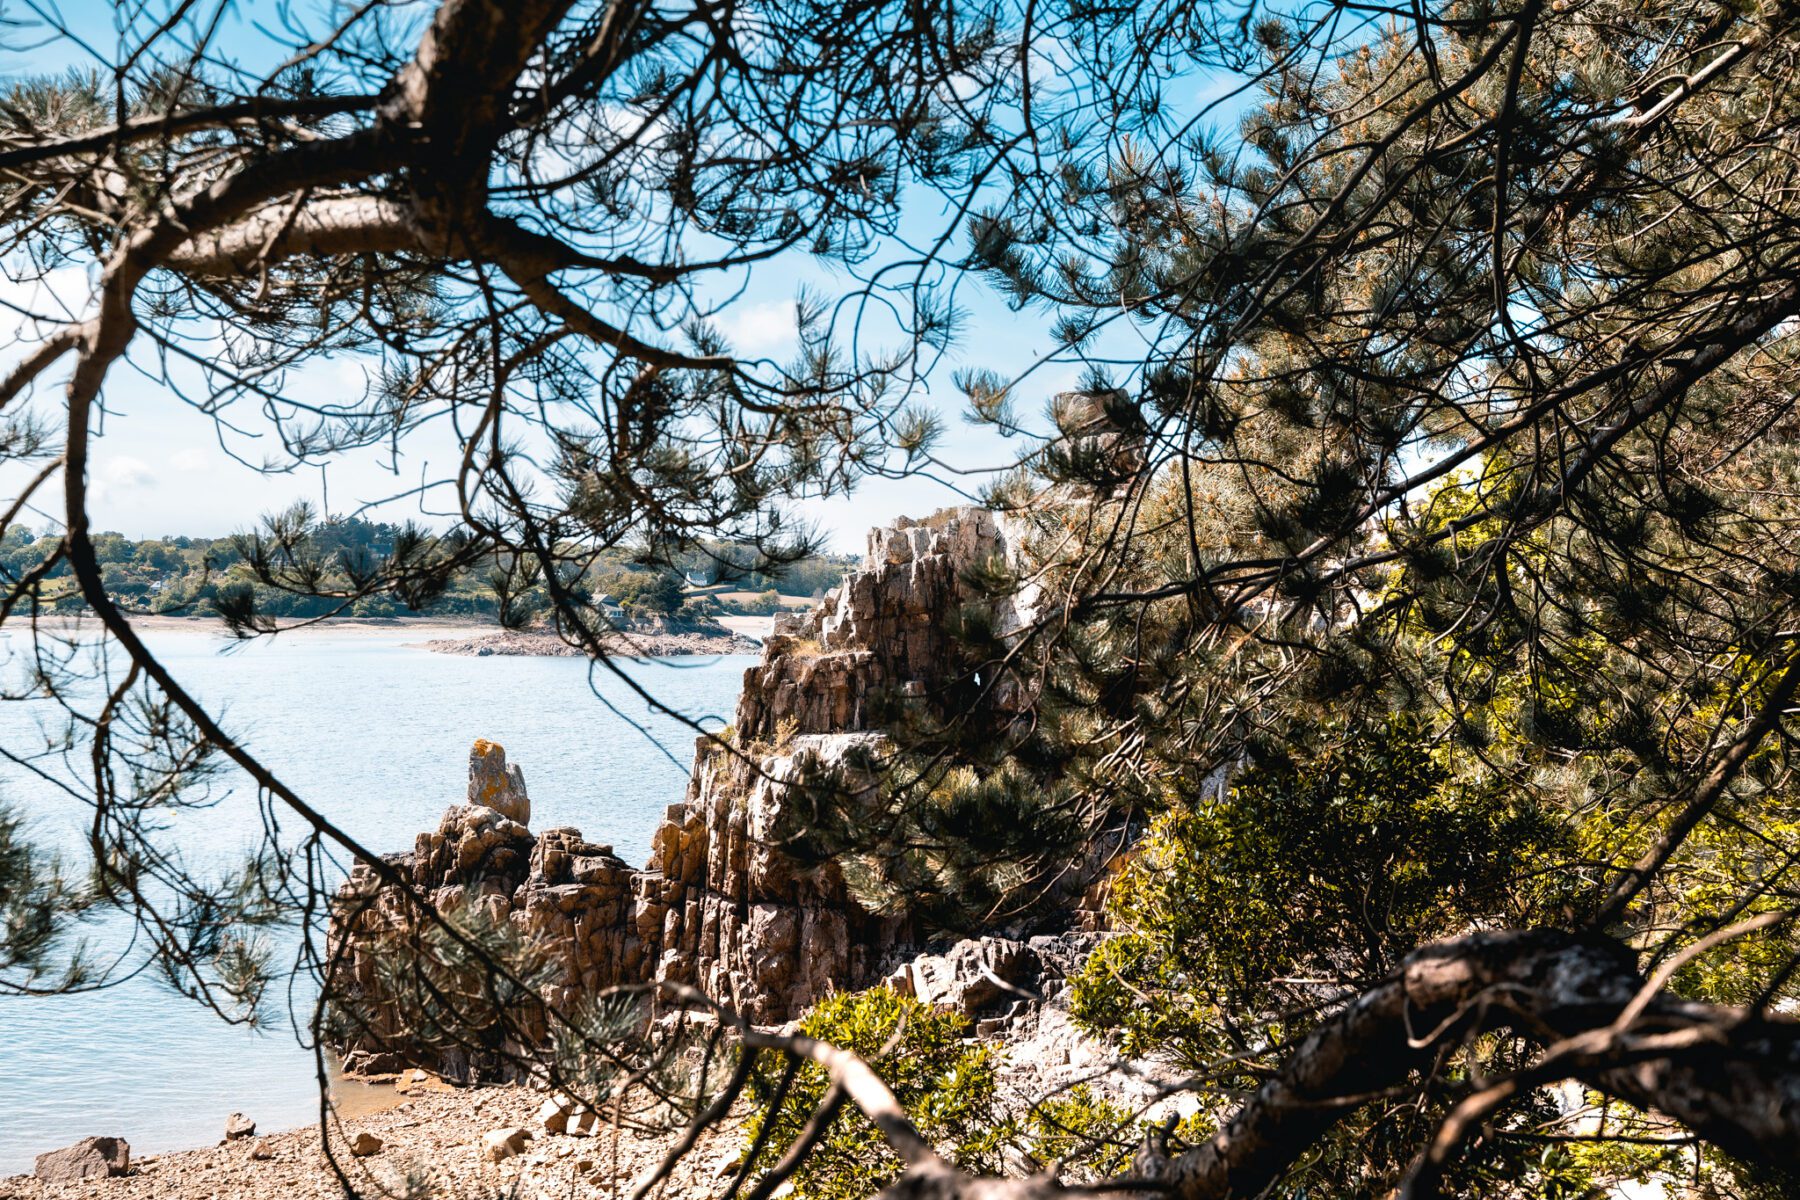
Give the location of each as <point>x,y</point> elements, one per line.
<point>749,627</point>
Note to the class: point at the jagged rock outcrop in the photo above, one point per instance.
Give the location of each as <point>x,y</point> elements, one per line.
<point>738,919</point>
<point>879,637</point>
<point>719,905</point>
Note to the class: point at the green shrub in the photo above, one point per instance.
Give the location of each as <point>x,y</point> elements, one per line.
<point>375,606</point>
<point>945,1083</point>
<point>1324,868</point>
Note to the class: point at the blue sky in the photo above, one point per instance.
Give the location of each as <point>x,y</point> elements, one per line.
<point>162,467</point>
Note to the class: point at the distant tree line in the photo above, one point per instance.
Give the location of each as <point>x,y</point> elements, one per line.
<point>199,576</point>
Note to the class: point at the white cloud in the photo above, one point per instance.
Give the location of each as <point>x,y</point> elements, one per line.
<point>119,479</point>
<point>190,460</point>
<point>123,472</point>
<point>32,306</point>
<point>760,329</point>
<point>54,296</point>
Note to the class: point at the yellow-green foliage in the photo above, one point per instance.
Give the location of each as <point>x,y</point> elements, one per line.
<point>1090,1136</point>
<point>1329,867</point>
<point>945,1083</point>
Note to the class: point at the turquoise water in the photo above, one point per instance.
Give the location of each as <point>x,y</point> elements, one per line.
<point>375,732</point>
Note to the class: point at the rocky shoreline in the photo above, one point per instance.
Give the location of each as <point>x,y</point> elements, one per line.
<point>719,907</point>
<point>440,1137</point>
<point>543,644</point>
<point>497,1140</point>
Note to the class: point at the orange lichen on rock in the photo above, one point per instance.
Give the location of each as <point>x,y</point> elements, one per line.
<point>493,784</point>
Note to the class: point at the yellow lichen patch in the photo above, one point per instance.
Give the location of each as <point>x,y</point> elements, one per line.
<point>493,781</point>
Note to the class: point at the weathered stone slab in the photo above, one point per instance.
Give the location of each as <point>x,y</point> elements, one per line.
<point>90,1158</point>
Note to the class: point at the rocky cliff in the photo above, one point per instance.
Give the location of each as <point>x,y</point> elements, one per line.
<point>719,905</point>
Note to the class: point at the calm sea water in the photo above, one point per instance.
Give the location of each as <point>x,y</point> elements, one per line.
<point>375,732</point>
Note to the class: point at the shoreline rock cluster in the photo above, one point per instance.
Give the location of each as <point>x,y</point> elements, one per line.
<point>719,906</point>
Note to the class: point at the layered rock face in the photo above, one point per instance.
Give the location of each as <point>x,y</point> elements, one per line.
<point>879,636</point>
<point>719,905</point>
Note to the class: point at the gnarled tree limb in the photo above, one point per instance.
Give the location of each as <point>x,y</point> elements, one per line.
<point>1731,1076</point>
